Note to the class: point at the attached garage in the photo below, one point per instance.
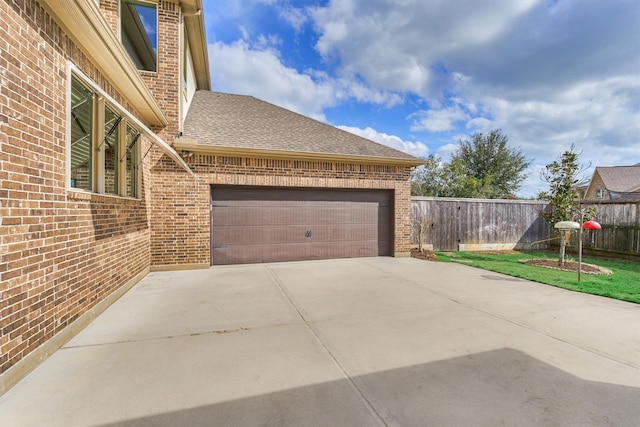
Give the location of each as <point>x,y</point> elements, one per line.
<point>255,224</point>
<point>272,185</point>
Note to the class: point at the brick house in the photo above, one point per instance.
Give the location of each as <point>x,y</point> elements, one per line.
<point>115,159</point>
<point>614,183</point>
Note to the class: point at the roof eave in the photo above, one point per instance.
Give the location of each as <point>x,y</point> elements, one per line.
<point>191,145</point>
<point>84,23</point>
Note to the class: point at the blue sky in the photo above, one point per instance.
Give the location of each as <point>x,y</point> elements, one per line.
<point>419,75</point>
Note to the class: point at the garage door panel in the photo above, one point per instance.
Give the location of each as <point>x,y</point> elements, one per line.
<point>270,225</point>
<point>284,215</point>
<point>236,217</point>
<point>226,235</point>
<point>237,254</point>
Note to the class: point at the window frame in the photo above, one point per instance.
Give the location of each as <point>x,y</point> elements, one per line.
<point>144,3</point>
<point>100,103</point>
<point>90,101</point>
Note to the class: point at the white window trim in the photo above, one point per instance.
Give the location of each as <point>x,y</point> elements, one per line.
<point>155,139</point>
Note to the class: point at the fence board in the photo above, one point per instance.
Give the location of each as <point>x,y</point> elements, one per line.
<point>620,227</point>
<point>476,224</point>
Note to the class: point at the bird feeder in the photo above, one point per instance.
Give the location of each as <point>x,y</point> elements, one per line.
<point>591,226</point>
<point>563,227</point>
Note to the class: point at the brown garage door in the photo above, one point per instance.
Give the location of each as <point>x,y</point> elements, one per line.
<point>250,225</point>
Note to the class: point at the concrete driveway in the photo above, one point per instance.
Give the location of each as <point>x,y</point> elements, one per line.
<point>357,342</point>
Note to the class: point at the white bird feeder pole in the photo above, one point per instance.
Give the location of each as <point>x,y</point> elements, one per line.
<point>563,227</point>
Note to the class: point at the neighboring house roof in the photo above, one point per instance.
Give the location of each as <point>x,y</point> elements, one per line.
<point>620,178</point>
<point>239,124</point>
<point>582,185</point>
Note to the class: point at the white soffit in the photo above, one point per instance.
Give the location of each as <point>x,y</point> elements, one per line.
<point>84,23</point>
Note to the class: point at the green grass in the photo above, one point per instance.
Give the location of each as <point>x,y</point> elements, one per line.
<point>623,284</point>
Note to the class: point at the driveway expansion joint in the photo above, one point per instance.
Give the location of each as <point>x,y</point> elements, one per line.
<point>359,392</point>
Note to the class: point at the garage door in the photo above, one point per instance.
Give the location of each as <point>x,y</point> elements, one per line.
<point>252,225</point>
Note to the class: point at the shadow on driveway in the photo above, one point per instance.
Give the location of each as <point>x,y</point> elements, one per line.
<point>478,389</point>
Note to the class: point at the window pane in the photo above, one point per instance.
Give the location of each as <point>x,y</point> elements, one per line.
<point>185,58</point>
<point>81,135</point>
<point>138,32</point>
<point>110,147</point>
<point>133,137</point>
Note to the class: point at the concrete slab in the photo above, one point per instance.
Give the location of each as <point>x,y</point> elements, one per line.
<point>372,341</point>
<point>175,303</point>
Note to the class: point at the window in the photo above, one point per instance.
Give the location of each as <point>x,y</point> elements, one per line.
<point>104,146</point>
<point>110,146</point>
<point>185,58</point>
<point>131,162</point>
<point>600,193</point>
<point>139,32</point>
<point>82,100</point>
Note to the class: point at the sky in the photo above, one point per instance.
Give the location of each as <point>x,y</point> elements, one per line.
<point>420,75</point>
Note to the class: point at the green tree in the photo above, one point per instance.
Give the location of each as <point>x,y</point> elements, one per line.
<point>437,179</point>
<point>428,179</point>
<point>458,182</point>
<point>489,168</point>
<point>562,177</point>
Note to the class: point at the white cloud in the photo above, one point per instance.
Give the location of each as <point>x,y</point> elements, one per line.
<point>296,17</point>
<point>445,151</point>
<point>548,74</point>
<point>600,117</point>
<point>238,68</point>
<point>415,148</point>
<point>441,120</point>
<point>258,70</point>
<point>396,45</point>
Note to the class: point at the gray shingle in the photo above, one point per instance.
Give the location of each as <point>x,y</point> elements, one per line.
<point>620,178</point>
<point>224,120</point>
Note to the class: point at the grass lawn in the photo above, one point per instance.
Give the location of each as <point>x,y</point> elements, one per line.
<point>623,284</point>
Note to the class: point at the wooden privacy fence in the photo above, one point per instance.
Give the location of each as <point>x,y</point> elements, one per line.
<point>620,227</point>
<point>478,224</point>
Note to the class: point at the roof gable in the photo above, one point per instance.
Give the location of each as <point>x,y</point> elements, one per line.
<point>620,178</point>
<point>220,120</point>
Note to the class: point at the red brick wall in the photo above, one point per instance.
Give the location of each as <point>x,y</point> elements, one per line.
<point>180,229</point>
<point>61,252</point>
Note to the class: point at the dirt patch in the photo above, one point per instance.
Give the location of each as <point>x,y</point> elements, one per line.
<point>568,266</point>
<point>424,254</point>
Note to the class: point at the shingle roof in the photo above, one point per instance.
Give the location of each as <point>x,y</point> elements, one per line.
<point>218,119</point>
<point>620,178</point>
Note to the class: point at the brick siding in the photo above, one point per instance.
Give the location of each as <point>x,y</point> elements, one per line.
<point>596,184</point>
<point>180,207</point>
<point>61,252</point>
